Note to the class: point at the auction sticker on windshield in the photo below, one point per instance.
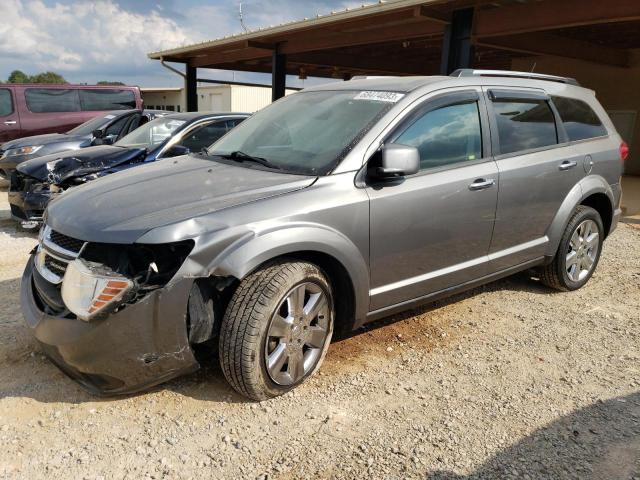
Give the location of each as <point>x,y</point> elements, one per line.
<point>391,97</point>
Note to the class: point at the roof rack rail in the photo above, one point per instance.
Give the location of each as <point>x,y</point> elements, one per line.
<point>469,72</point>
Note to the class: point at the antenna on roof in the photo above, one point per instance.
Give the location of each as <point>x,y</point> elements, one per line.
<point>241,18</point>
<point>533,67</point>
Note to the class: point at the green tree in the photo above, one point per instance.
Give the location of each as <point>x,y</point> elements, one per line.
<point>107,82</point>
<point>48,77</point>
<point>18,76</point>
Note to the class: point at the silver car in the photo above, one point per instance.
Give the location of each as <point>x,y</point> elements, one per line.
<point>331,208</point>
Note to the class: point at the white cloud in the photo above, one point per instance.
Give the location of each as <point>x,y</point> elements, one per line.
<point>68,38</point>
<point>87,41</point>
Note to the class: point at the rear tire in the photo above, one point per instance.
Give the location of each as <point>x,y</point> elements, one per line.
<point>277,329</point>
<point>578,253</point>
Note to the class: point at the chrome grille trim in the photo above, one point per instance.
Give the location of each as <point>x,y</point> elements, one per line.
<point>62,256</point>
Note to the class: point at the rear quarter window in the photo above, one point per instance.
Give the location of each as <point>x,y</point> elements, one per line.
<point>6,103</point>
<point>107,99</point>
<point>524,124</point>
<point>579,119</point>
<point>47,100</point>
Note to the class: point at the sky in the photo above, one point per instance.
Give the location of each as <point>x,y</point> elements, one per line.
<point>87,41</point>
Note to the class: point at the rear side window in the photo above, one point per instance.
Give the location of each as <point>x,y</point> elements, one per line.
<point>524,124</point>
<point>446,135</point>
<point>46,100</point>
<point>578,118</point>
<point>205,136</point>
<point>106,99</point>
<point>6,103</point>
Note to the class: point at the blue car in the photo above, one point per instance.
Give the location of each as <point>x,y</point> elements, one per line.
<point>36,182</point>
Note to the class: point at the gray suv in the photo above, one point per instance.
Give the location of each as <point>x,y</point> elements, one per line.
<point>329,209</point>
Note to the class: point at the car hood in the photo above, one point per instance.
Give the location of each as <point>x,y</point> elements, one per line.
<point>120,208</point>
<point>58,168</point>
<point>41,140</point>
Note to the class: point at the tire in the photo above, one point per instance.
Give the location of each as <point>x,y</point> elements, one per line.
<point>284,309</point>
<point>571,276</point>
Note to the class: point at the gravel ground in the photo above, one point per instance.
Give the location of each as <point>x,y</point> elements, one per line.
<point>511,380</point>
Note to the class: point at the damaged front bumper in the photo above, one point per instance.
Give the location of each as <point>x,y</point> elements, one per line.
<point>143,344</point>
<point>29,207</point>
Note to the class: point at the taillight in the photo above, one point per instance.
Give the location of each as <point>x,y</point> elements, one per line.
<point>624,151</point>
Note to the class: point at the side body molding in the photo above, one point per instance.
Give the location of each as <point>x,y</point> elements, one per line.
<point>583,189</point>
<point>249,252</point>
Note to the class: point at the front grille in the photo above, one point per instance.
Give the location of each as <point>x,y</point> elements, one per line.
<point>56,266</point>
<point>68,243</point>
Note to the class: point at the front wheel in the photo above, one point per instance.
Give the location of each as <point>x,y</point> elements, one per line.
<point>578,253</point>
<point>277,329</point>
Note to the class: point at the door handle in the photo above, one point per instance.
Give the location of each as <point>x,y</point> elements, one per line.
<point>567,164</point>
<point>10,122</point>
<point>481,184</point>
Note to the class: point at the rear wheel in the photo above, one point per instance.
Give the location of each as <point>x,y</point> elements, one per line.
<point>276,329</point>
<point>578,253</point>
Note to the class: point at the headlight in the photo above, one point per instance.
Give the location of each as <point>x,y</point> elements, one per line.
<point>89,289</point>
<point>30,150</point>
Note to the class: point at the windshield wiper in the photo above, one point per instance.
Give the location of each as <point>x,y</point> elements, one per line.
<point>239,156</point>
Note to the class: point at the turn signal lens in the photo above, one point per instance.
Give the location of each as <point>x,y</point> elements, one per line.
<point>88,290</point>
<point>624,151</point>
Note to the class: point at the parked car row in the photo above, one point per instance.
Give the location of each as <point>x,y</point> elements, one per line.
<point>37,181</point>
<point>329,209</point>
<point>101,130</point>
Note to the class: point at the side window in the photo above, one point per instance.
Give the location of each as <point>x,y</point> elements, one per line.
<point>524,124</point>
<point>106,99</point>
<point>47,100</point>
<point>115,128</point>
<point>234,123</point>
<point>6,103</point>
<point>579,120</point>
<point>204,136</point>
<point>445,136</point>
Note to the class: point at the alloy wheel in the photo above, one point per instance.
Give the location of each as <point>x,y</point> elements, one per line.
<point>297,334</point>
<point>583,250</point>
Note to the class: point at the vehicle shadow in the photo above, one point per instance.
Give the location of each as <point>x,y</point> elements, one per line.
<point>521,282</point>
<point>599,442</point>
<point>26,372</point>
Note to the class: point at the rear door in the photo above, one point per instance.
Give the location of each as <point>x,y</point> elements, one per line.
<point>537,169</point>
<point>9,119</point>
<point>432,230</point>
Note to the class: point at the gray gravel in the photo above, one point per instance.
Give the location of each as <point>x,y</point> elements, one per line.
<point>511,380</point>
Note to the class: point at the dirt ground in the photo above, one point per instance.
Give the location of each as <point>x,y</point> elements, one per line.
<point>511,380</point>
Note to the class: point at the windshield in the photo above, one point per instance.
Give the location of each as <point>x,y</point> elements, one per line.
<point>89,126</point>
<point>151,134</point>
<point>307,132</point>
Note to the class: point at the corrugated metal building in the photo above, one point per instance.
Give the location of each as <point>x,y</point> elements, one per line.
<point>215,98</point>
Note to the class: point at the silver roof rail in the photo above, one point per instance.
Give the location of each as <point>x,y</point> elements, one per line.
<point>469,72</point>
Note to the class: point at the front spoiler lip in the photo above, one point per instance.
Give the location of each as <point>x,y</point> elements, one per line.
<point>134,349</point>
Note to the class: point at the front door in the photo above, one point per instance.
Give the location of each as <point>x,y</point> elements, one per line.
<point>432,230</point>
<point>9,120</point>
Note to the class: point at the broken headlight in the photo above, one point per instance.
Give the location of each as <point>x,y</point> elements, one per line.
<point>90,289</point>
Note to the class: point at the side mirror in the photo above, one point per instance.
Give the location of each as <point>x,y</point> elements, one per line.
<point>398,161</point>
<point>176,151</point>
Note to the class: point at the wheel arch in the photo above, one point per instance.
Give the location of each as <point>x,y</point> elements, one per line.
<point>336,255</point>
<point>592,191</point>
